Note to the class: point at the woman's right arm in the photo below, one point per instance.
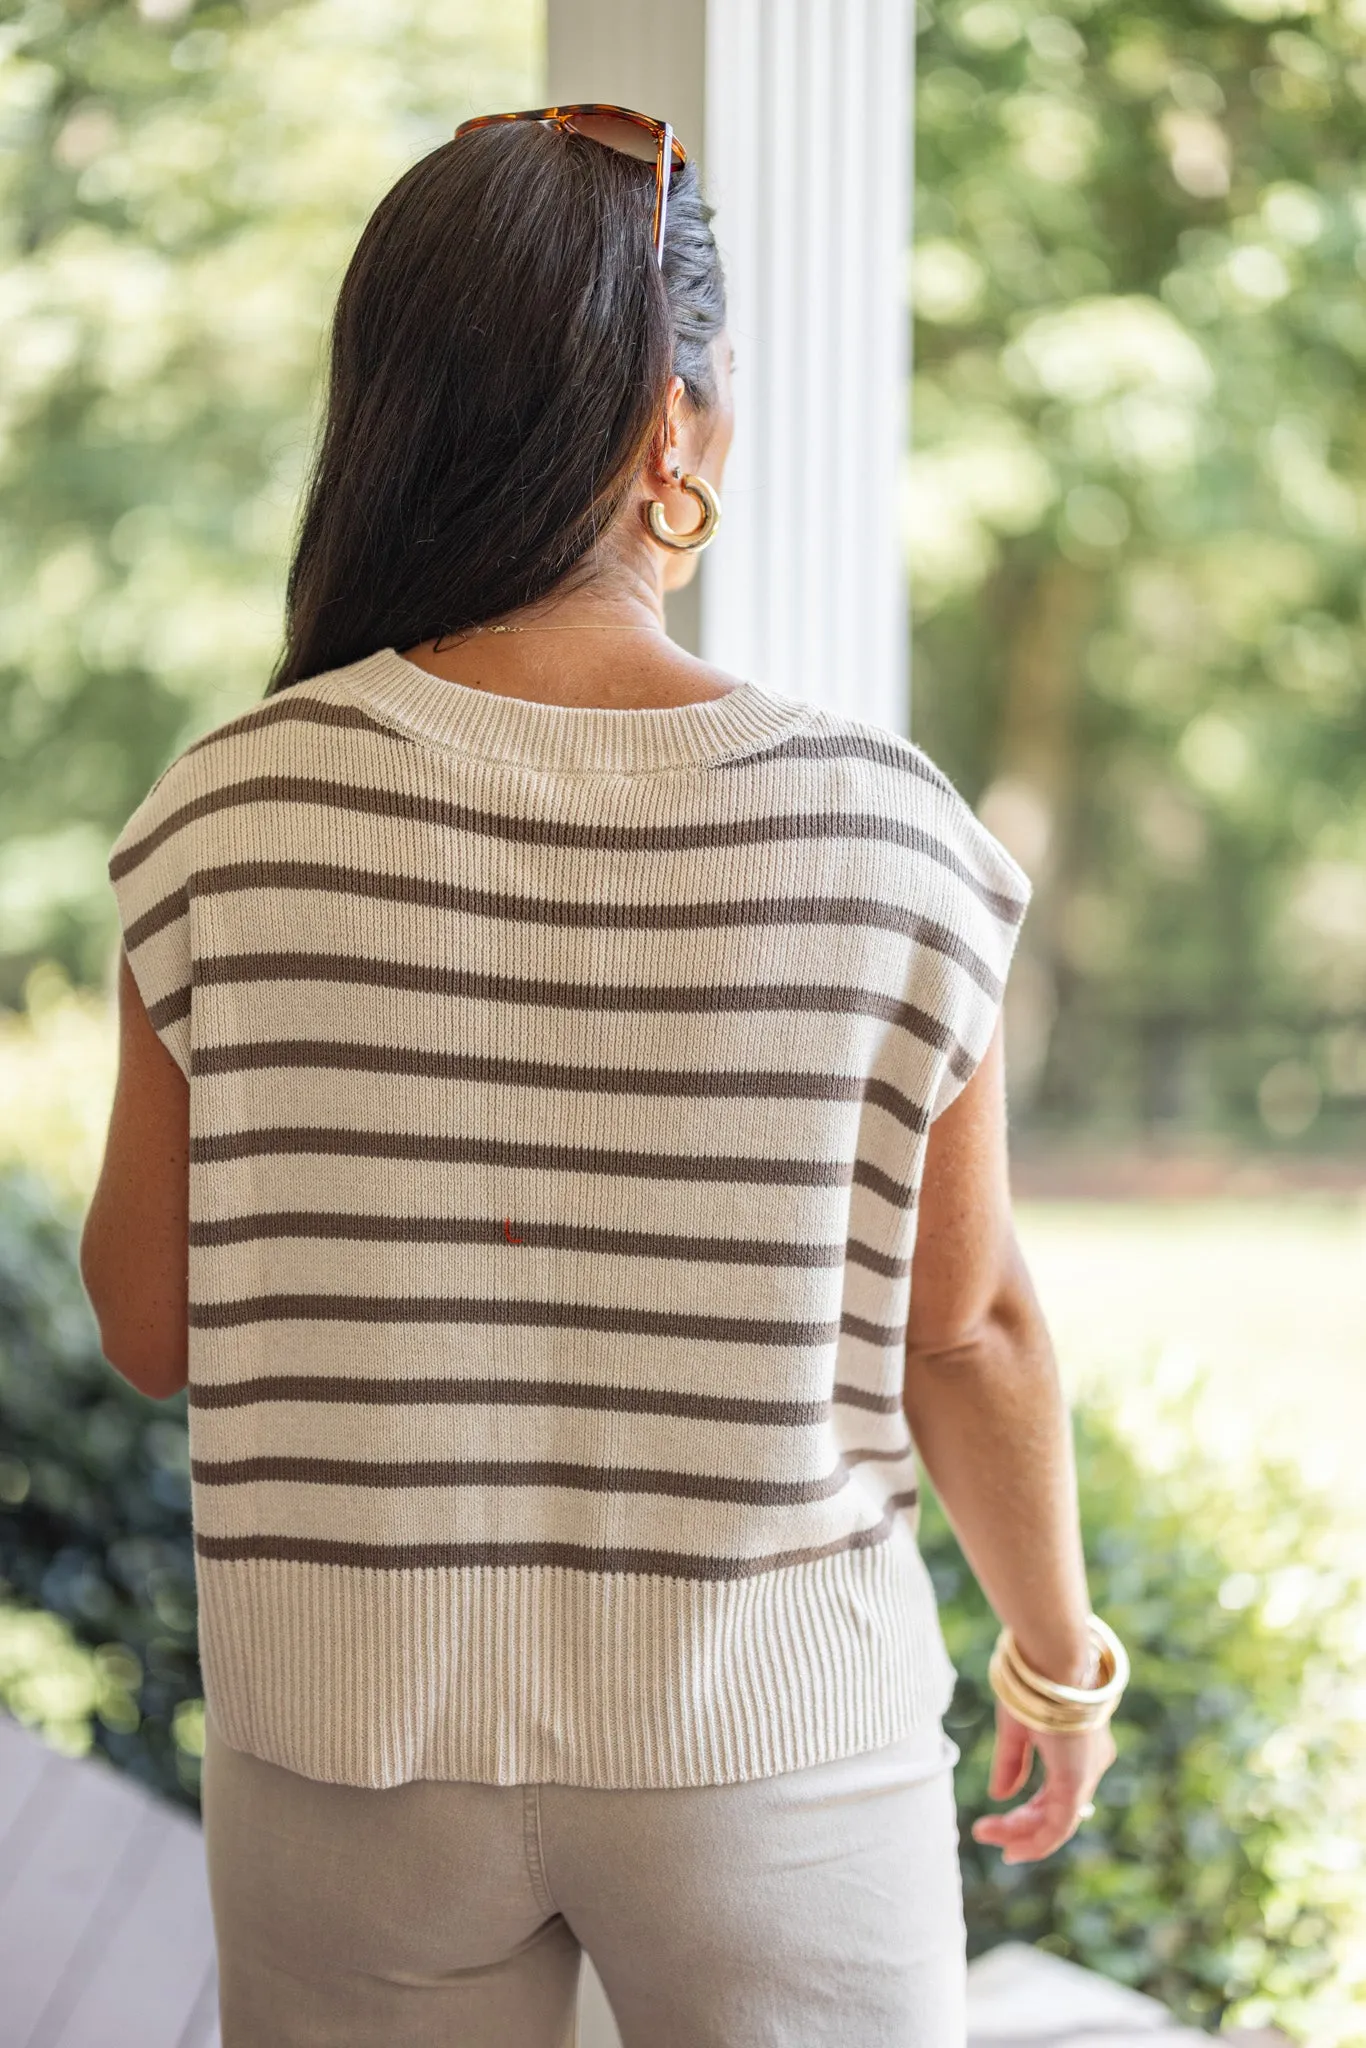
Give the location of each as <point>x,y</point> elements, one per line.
<point>986,1410</point>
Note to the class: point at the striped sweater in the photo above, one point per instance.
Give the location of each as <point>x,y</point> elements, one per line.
<point>559,1089</point>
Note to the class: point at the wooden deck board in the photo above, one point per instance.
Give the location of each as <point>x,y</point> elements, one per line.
<point>82,1820</point>
<point>201,2027</point>
<point>23,1761</point>
<point>102,1931</point>
<point>163,1954</point>
<point>106,1935</point>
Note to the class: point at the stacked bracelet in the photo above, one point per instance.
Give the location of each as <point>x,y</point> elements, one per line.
<point>1055,1709</point>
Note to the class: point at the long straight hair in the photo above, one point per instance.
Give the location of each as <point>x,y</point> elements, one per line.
<point>499,359</point>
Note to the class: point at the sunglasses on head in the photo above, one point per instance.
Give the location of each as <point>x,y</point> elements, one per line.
<point>642,136</point>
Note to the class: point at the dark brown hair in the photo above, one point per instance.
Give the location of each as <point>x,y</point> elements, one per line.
<point>500,353</point>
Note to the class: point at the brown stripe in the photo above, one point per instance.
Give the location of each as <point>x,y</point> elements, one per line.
<point>769,1084</point>
<point>883,1335</point>
<point>889,750</point>
<point>722,834</point>
<point>648,1244</point>
<point>847,1396</point>
<point>624,998</point>
<point>170,1009</point>
<point>365,1229</point>
<point>540,1315</point>
<point>962,1062</point>
<point>859,1254</point>
<point>582,1557</point>
<point>875,1455</point>
<point>425,892</point>
<point>381,973</point>
<point>754,1493</point>
<point>331,1389</point>
<point>286,1140</point>
<point>295,710</point>
<point>909,923</point>
<point>900,1194</point>
<point>171,907</point>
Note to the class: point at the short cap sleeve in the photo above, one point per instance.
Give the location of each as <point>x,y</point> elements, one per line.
<point>148,875</point>
<point>988,909</point>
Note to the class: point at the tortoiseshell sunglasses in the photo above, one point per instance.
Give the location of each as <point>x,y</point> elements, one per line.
<point>639,135</point>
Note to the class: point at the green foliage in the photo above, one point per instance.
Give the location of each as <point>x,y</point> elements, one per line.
<point>1139,505</point>
<point>1212,1873</point>
<point>94,1511</point>
<point>1137,501</point>
<point>53,1683</point>
<point>181,187</point>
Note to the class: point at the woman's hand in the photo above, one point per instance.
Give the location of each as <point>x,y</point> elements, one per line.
<point>1073,1767</point>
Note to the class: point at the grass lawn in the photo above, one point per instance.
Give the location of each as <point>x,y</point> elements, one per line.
<point>1261,1303</point>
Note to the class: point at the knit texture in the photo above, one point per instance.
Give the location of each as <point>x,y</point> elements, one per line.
<point>559,1089</point>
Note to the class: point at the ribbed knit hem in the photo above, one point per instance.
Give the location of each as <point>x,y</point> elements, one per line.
<point>560,738</point>
<point>553,1676</point>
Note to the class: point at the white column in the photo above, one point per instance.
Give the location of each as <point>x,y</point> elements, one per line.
<point>800,113</point>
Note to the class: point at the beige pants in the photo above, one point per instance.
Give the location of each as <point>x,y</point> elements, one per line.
<point>818,1907</point>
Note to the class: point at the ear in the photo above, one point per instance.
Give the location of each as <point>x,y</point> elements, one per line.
<point>662,464</point>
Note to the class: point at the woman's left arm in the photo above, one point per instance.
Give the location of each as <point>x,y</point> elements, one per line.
<point>135,1243</point>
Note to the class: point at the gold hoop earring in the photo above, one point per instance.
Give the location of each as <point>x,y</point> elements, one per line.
<point>701,536</point>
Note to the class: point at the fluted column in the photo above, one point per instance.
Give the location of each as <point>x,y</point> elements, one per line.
<point>800,111</point>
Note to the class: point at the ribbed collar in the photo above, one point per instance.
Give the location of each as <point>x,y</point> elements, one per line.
<point>560,737</point>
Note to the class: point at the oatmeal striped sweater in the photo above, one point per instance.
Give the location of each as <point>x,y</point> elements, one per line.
<point>559,1088</point>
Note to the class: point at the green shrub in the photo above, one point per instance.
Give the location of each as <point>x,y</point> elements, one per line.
<point>1214,1872</point>
<point>94,1501</point>
<point>1218,1869</point>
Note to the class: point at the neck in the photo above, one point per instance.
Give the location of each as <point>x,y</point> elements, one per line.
<point>619,597</point>
<point>602,642</point>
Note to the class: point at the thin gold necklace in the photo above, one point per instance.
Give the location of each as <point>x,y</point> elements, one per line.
<point>470,631</point>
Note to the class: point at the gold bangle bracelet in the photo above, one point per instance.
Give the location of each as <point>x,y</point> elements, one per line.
<point>1112,1668</point>
<point>1045,1716</point>
<point>1043,1702</point>
<point>1045,1705</point>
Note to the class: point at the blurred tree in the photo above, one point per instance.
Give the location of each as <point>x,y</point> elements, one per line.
<point>180,188</point>
<point>1136,504</point>
<point>1137,507</point>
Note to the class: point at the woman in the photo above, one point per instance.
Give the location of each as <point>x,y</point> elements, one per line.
<point>541,1056</point>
